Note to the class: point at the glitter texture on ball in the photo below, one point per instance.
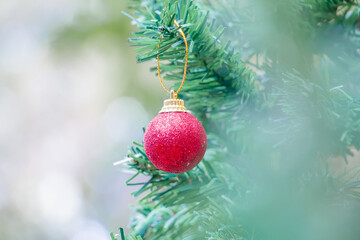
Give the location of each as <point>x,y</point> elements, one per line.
<point>175,142</point>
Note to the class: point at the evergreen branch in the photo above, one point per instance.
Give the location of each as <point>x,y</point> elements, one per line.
<point>225,95</point>
<point>214,67</point>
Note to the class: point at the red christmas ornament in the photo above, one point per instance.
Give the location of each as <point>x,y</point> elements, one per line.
<point>175,141</point>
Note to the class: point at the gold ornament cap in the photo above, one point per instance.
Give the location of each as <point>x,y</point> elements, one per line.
<point>173,104</point>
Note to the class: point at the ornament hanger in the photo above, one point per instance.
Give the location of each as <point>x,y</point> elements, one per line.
<point>173,94</point>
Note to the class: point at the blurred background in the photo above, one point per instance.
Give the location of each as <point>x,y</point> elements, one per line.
<point>72,99</point>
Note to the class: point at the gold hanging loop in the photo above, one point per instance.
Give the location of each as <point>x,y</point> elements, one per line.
<point>174,94</point>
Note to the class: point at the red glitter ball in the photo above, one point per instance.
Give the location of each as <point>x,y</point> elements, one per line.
<point>175,142</point>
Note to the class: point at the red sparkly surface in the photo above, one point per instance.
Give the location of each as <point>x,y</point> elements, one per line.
<point>175,142</point>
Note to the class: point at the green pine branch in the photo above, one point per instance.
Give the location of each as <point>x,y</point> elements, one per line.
<point>255,124</point>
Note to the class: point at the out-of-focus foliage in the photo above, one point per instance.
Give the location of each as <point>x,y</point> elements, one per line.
<point>108,28</point>
<point>276,85</point>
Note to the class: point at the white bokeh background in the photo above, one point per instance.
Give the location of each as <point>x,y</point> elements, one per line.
<point>65,118</point>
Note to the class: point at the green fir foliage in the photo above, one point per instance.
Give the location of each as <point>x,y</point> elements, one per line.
<point>276,85</point>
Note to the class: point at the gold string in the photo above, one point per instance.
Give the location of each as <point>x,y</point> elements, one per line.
<point>186,60</point>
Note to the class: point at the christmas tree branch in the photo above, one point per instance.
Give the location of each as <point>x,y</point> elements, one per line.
<point>254,123</point>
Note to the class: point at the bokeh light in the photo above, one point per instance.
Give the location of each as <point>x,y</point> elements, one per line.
<point>68,90</point>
